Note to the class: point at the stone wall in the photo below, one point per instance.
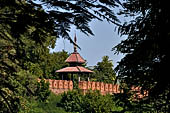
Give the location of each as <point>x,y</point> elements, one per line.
<point>104,88</point>
<point>61,86</point>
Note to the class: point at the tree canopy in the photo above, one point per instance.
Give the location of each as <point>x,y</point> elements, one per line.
<point>78,13</point>
<point>146,49</point>
<point>104,71</point>
<point>54,61</point>
<point>28,29</point>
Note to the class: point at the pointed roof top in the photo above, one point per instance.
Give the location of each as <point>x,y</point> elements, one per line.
<point>75,58</point>
<point>75,41</point>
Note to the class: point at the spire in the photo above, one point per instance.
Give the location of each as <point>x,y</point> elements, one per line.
<point>75,45</point>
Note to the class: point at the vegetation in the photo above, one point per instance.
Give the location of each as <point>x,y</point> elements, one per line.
<point>29,28</point>
<point>91,102</point>
<point>42,92</point>
<point>104,71</point>
<point>50,62</point>
<point>33,106</point>
<point>27,31</point>
<point>146,48</point>
<point>20,47</point>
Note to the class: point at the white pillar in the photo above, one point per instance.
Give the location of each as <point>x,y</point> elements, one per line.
<point>79,78</point>
<point>88,79</point>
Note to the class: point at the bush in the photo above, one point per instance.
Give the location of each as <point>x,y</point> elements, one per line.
<point>34,106</point>
<point>42,91</point>
<point>91,102</point>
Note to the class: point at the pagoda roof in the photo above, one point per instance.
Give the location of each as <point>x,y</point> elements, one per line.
<point>75,58</point>
<point>76,69</point>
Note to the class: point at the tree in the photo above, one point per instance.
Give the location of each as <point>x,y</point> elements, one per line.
<point>78,13</point>
<point>22,39</point>
<point>52,62</point>
<point>27,31</point>
<point>42,92</point>
<point>104,71</point>
<point>147,55</point>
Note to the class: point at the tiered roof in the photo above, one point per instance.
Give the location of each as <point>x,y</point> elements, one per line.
<point>75,60</point>
<point>76,69</point>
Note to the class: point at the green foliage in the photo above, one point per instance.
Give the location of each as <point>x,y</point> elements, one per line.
<point>71,101</point>
<point>20,46</point>
<point>27,31</point>
<point>147,50</point>
<point>104,71</point>
<point>129,105</point>
<point>91,102</point>
<point>51,62</point>
<point>42,92</point>
<point>34,106</point>
<point>79,13</point>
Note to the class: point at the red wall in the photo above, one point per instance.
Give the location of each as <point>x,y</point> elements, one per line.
<point>61,86</point>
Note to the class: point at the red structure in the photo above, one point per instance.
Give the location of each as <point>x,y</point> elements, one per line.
<point>75,58</point>
<point>75,61</point>
<point>76,69</point>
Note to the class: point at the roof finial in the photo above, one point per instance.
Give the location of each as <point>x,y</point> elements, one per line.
<point>75,45</point>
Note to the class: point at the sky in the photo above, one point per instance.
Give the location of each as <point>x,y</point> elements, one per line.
<point>93,48</point>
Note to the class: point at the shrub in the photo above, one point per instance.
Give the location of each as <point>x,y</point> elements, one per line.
<point>91,102</point>
<point>42,92</point>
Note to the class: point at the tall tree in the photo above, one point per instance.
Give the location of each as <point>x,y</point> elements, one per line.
<point>27,31</point>
<point>146,48</point>
<point>22,39</point>
<point>104,71</point>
